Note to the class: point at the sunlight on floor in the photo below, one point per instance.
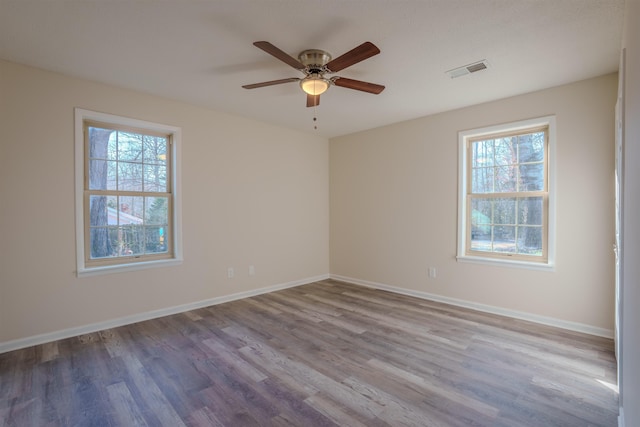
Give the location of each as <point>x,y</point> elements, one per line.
<point>610,386</point>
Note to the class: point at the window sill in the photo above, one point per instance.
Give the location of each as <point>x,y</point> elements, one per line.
<point>549,266</point>
<point>122,268</point>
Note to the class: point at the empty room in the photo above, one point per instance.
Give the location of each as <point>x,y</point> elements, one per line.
<point>336,213</point>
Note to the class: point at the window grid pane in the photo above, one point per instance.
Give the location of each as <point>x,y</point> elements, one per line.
<point>502,165</point>
<point>507,225</point>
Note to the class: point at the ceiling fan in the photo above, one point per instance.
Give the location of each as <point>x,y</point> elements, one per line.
<point>316,64</point>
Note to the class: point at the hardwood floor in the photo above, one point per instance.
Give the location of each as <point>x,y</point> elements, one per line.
<point>323,354</point>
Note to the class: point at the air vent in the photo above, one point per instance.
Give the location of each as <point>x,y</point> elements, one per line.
<point>468,69</point>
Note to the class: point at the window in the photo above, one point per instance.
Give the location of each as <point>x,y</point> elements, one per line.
<point>506,198</point>
<point>126,193</point>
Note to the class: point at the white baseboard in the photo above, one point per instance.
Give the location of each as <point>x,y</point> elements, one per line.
<point>549,321</point>
<point>127,320</point>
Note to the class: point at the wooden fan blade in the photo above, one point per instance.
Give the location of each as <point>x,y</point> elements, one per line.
<point>360,53</point>
<point>282,56</point>
<point>313,100</point>
<point>271,83</point>
<point>358,85</point>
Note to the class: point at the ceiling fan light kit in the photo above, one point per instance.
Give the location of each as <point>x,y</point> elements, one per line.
<point>314,84</point>
<point>315,63</point>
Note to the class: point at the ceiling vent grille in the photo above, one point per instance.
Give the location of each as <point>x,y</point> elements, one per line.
<point>468,69</point>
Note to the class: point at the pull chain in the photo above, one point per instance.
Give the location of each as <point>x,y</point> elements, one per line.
<point>315,118</point>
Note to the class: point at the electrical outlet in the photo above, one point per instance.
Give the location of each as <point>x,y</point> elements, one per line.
<point>432,272</point>
<point>252,270</point>
<point>230,273</point>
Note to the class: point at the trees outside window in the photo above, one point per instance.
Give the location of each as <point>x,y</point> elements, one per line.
<point>505,193</point>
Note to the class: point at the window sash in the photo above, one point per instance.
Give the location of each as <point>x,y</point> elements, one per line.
<point>91,262</point>
<point>498,254</point>
<point>519,195</point>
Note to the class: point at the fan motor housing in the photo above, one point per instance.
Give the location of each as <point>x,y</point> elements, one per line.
<point>314,58</point>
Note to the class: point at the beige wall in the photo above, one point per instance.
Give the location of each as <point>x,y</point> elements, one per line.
<point>253,194</point>
<point>393,193</point>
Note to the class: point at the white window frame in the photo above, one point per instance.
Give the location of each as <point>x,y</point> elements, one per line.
<point>463,139</point>
<point>81,116</point>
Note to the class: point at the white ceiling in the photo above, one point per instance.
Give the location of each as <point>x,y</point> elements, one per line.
<point>201,52</point>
